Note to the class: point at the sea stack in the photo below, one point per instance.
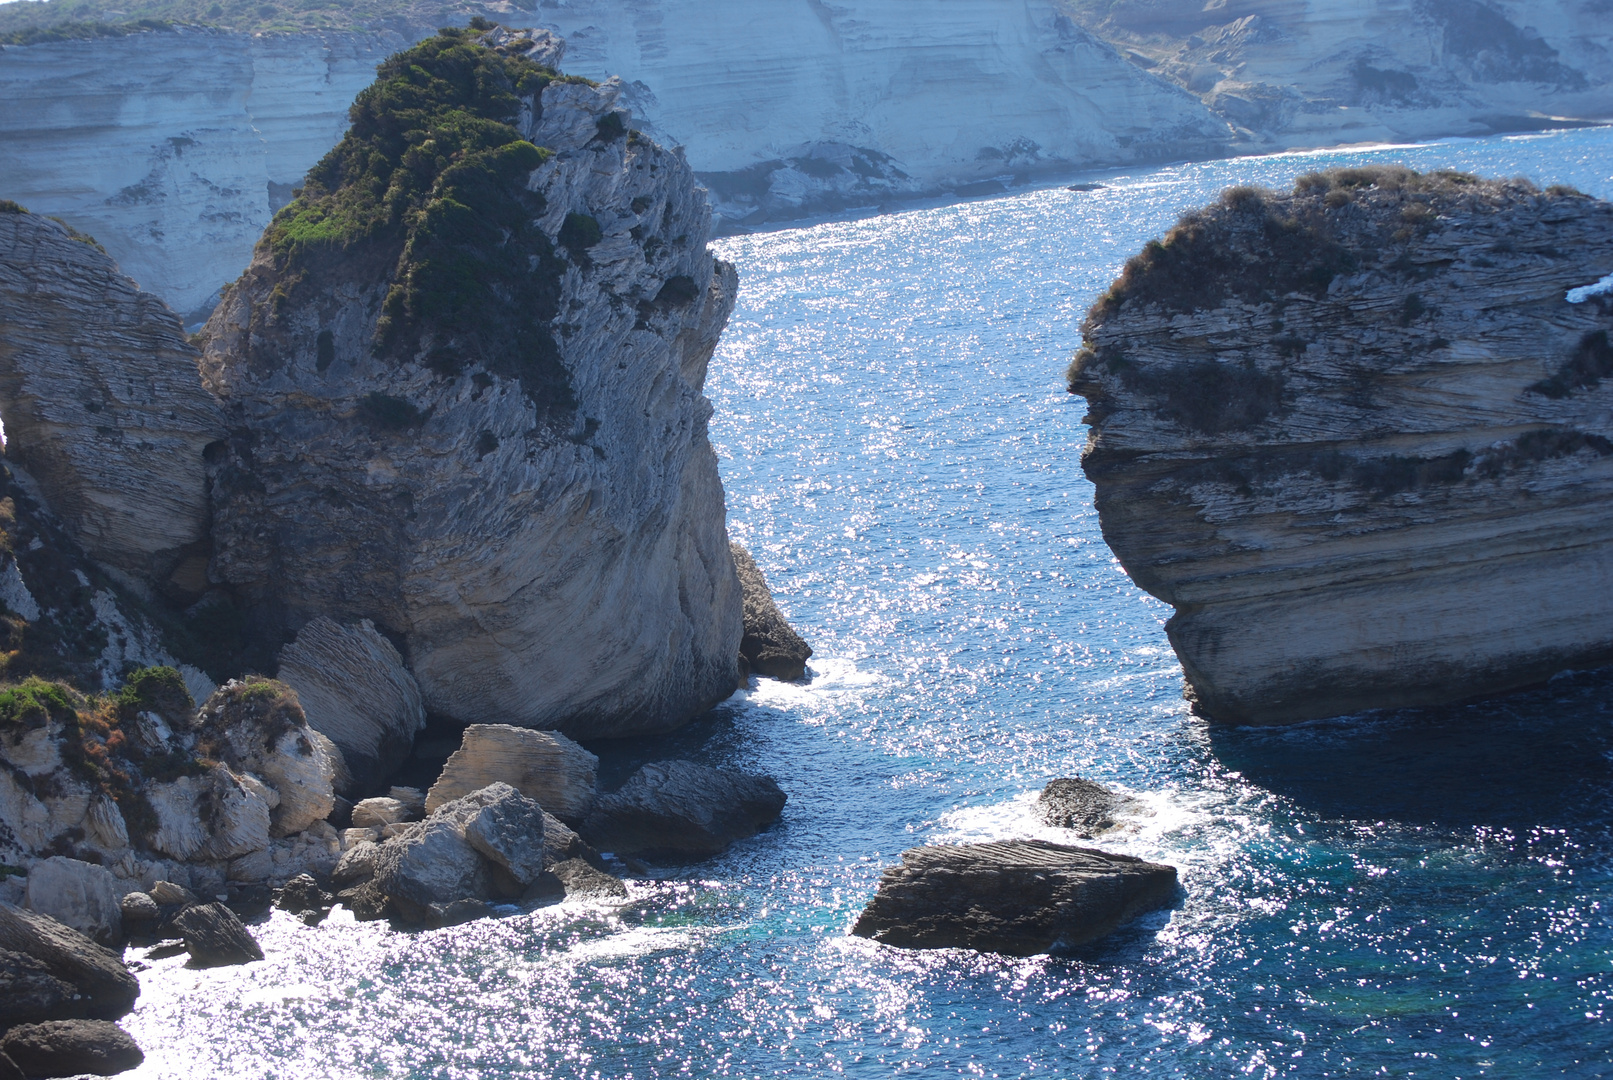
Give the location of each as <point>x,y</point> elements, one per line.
<point>464,372</point>
<point>1360,436</point>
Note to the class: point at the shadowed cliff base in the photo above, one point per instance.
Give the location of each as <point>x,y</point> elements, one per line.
<point>1357,435</point>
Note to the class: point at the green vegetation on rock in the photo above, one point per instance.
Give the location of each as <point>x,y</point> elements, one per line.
<point>430,182</point>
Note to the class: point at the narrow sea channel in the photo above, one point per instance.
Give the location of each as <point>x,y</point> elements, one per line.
<point>1425,893</point>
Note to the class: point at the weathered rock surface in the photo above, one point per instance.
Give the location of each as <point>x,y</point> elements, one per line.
<point>1083,806</point>
<point>378,813</point>
<point>71,1048</point>
<point>1018,897</point>
<point>770,645</point>
<point>542,765</point>
<point>508,830</point>
<point>1360,439</point>
<point>77,894</point>
<point>355,689</point>
<point>214,937</point>
<point>101,985</point>
<point>680,810</point>
<point>102,402</point>
<point>257,726</point>
<point>583,880</point>
<point>433,864</point>
<point>303,897</point>
<point>542,513</point>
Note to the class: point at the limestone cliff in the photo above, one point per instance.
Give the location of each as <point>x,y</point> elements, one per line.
<point>1362,440</point>
<point>103,404</point>
<point>465,370</point>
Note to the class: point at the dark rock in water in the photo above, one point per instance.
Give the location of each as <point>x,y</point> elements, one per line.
<point>1018,897</point>
<point>581,879</point>
<point>214,937</point>
<point>30,992</point>
<point>303,897</point>
<point>366,901</point>
<point>103,987</point>
<point>770,646</point>
<point>680,810</point>
<point>1082,805</point>
<point>71,1048</point>
<point>458,912</point>
<point>249,901</point>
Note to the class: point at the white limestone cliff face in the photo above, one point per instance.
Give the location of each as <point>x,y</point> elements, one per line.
<point>102,401</point>
<point>173,149</point>
<point>556,567</point>
<point>1362,441</point>
<point>795,107</point>
<point>1293,73</point>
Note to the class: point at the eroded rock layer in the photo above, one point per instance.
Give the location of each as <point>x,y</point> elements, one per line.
<point>476,416</point>
<point>1361,439</point>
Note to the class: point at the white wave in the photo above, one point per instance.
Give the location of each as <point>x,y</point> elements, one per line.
<point>1585,292</point>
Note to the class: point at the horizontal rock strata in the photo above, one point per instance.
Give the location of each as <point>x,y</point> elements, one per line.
<point>508,470</point>
<point>1362,442</point>
<point>103,404</point>
<point>541,765</point>
<point>1018,897</point>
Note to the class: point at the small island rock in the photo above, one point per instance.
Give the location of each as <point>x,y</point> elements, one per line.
<point>1083,806</point>
<point>770,646</point>
<point>1018,897</point>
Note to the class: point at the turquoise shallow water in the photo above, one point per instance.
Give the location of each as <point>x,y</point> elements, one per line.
<point>1412,894</point>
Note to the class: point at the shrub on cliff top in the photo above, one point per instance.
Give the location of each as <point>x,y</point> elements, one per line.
<point>431,181</point>
<point>9,207</point>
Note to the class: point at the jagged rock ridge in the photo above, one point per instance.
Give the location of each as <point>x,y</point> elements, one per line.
<point>1361,440</point>
<point>492,383</point>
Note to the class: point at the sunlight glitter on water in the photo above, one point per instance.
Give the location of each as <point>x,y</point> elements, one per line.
<point>1419,894</point>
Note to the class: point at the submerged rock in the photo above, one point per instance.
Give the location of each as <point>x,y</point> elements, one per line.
<point>1361,439</point>
<point>103,405</point>
<point>680,810</point>
<point>214,936</point>
<point>354,688</point>
<point>542,765</point>
<point>770,646</point>
<point>1083,806</point>
<point>102,987</point>
<point>488,435</point>
<point>1019,897</point>
<point>71,1048</point>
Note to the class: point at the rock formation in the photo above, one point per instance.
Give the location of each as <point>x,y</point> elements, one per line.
<point>256,726</point>
<point>679,810</point>
<point>1019,897</point>
<point>500,392</point>
<point>68,976</point>
<point>356,691</point>
<point>1083,806</point>
<point>541,765</point>
<point>70,1048</point>
<point>103,406</point>
<point>1361,440</point>
<point>214,936</point>
<point>770,645</point>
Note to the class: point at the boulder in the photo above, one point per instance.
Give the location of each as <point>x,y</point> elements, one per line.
<point>102,986</point>
<point>140,912</point>
<point>680,810</point>
<point>257,726</point>
<point>1082,806</point>
<point>302,896</point>
<point>214,937</point>
<point>770,645</point>
<point>168,894</point>
<point>583,880</point>
<point>71,1048</point>
<point>357,865</point>
<point>508,830</point>
<point>102,403</point>
<point>378,813</point>
<point>542,765</point>
<point>432,863</point>
<point>1018,897</point>
<point>354,688</point>
<point>30,992</point>
<point>77,894</point>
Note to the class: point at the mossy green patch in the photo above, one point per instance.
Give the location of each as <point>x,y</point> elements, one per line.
<point>9,207</point>
<point>431,182</point>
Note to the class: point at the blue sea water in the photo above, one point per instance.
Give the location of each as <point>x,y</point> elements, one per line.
<point>1424,893</point>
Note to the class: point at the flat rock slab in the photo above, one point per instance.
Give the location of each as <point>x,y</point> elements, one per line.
<point>102,985</point>
<point>71,1048</point>
<point>1018,897</point>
